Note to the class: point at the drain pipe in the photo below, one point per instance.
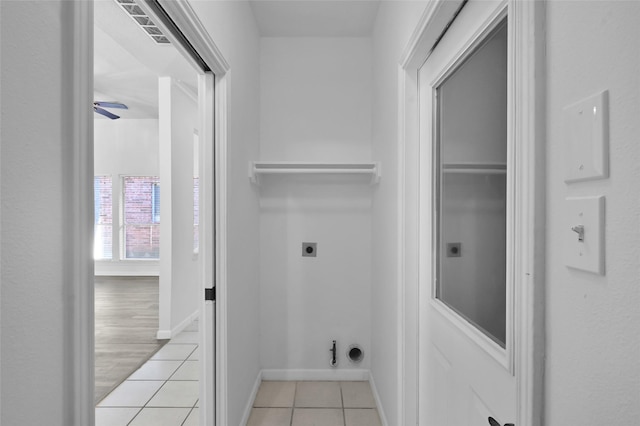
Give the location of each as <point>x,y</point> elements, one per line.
<point>333,361</point>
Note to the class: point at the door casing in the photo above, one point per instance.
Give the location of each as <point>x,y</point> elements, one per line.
<point>81,317</point>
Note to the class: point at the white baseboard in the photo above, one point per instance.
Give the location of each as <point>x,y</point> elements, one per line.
<point>168,334</point>
<point>376,395</point>
<point>330,375</point>
<point>163,334</point>
<point>127,268</point>
<point>252,397</point>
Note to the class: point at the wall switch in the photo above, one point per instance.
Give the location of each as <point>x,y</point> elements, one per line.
<point>586,139</point>
<point>309,249</point>
<point>584,234</point>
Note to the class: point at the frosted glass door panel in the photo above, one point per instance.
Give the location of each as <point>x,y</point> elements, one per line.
<point>471,156</point>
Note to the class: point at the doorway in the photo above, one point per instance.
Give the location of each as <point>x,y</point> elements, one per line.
<point>185,178</point>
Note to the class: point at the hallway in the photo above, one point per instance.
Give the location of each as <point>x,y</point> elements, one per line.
<point>318,91</point>
<point>163,392</point>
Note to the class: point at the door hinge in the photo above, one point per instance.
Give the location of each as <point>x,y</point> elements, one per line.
<point>210,294</point>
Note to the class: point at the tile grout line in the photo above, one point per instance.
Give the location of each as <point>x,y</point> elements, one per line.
<point>181,364</point>
<point>139,411</point>
<point>163,384</point>
<point>293,403</point>
<point>344,414</point>
<point>188,414</point>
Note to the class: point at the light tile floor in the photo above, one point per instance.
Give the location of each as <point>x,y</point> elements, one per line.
<point>163,392</point>
<point>314,404</point>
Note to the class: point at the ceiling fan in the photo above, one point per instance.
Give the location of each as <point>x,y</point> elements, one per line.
<point>98,106</point>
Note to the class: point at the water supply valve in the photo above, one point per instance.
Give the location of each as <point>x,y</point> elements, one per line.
<point>333,361</point>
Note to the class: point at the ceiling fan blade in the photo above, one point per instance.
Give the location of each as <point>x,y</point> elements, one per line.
<point>105,113</point>
<point>110,105</point>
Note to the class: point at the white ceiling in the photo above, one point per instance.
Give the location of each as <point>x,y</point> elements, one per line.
<point>315,18</point>
<point>127,63</point>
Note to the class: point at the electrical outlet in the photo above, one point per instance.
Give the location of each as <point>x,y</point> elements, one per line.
<point>309,249</point>
<point>454,249</point>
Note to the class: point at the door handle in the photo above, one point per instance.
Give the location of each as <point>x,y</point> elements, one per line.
<point>493,422</point>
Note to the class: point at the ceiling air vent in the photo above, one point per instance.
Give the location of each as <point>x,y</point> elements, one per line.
<point>143,21</point>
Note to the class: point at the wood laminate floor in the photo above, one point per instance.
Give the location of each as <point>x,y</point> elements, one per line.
<point>126,323</point>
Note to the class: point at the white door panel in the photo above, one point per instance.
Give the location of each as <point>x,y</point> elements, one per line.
<point>474,382</point>
<point>467,223</point>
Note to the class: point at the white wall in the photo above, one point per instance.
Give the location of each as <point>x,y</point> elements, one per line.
<point>306,302</point>
<point>35,105</point>
<point>232,27</point>
<point>315,99</point>
<point>178,116</point>
<point>125,147</point>
<point>593,343</point>
<point>0,225</point>
<point>315,106</point>
<point>394,25</point>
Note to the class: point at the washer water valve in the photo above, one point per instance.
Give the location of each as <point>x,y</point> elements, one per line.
<point>333,361</point>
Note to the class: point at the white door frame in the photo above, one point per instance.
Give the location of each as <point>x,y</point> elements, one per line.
<point>81,331</point>
<point>526,32</point>
<point>186,19</point>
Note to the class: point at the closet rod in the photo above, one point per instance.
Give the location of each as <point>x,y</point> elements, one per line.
<point>256,168</point>
<point>475,168</point>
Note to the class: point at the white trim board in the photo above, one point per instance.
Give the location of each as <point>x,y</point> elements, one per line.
<point>376,396</point>
<point>79,368</point>
<point>252,397</point>
<point>149,268</point>
<point>185,18</point>
<point>336,375</point>
<point>170,334</point>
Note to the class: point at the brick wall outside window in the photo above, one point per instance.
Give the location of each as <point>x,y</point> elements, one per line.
<point>141,216</point>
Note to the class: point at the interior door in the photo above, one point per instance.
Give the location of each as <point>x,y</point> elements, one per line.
<point>467,223</point>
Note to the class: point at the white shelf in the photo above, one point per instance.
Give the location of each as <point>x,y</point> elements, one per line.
<point>475,168</point>
<point>257,168</point>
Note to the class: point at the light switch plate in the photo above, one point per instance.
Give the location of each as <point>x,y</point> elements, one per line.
<point>587,255</point>
<point>586,127</point>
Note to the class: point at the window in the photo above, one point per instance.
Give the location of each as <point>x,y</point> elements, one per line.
<point>196,191</point>
<point>103,217</point>
<point>471,182</point>
<point>141,217</point>
<point>155,203</point>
